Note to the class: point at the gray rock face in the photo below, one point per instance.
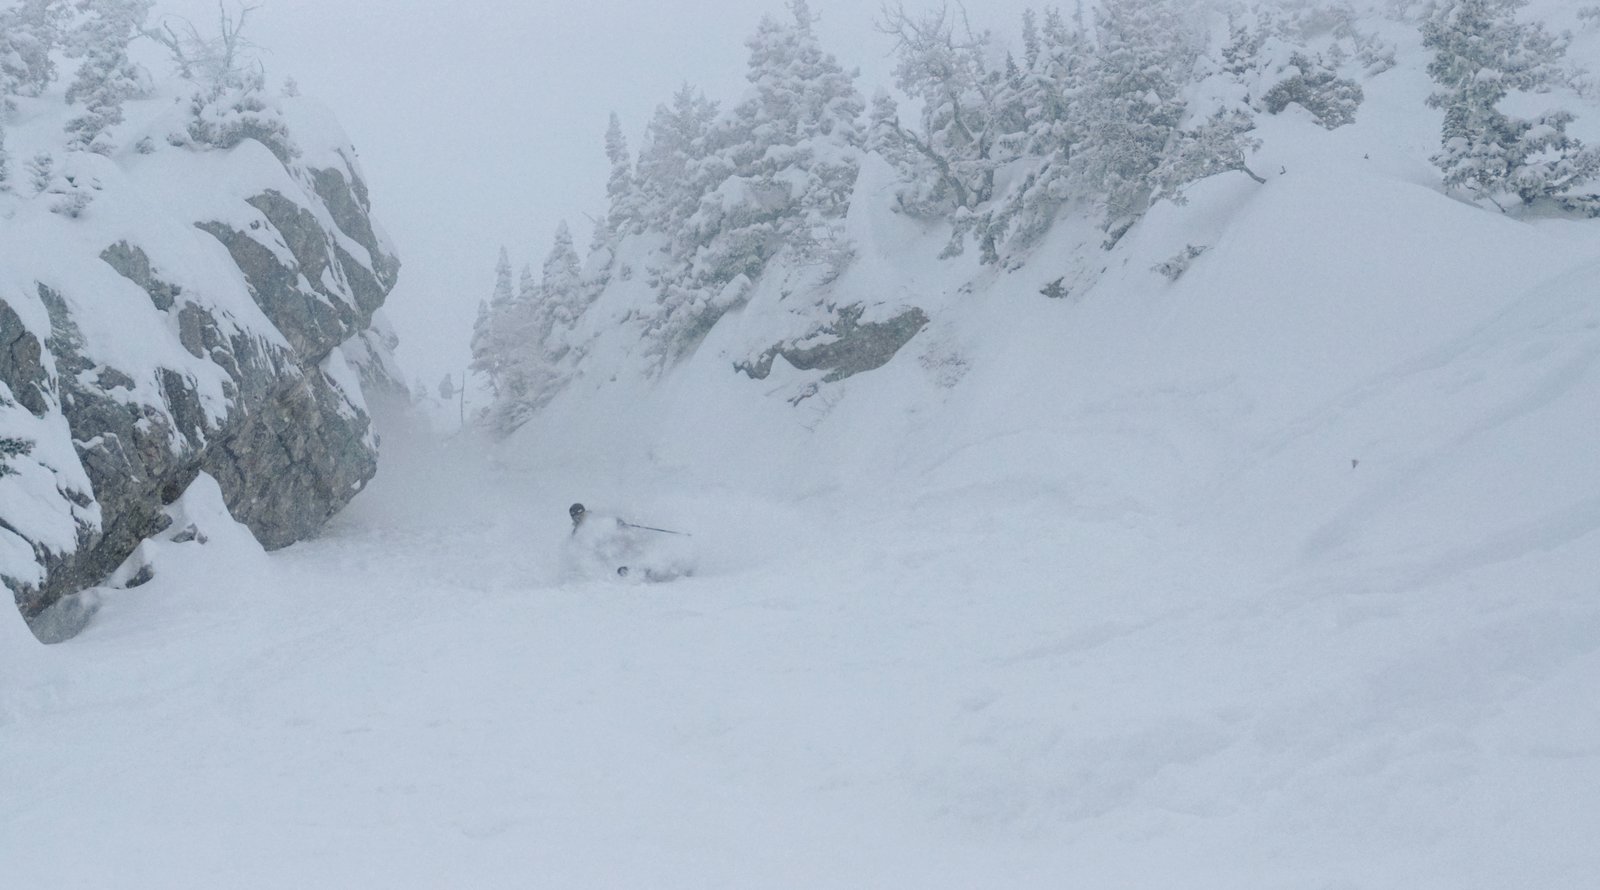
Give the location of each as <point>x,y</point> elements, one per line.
<point>844,347</point>
<point>286,469</point>
<point>20,367</point>
<point>132,263</point>
<point>288,440</point>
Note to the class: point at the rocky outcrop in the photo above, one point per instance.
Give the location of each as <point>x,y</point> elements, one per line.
<point>253,374</point>
<point>844,347</point>
<point>286,469</point>
<point>20,365</point>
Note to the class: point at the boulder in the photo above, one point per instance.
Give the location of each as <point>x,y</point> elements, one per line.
<point>234,340</point>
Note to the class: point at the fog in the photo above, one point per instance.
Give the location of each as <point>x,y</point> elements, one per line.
<point>480,123</point>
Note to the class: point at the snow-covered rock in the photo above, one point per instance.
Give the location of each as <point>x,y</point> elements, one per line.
<point>178,307</point>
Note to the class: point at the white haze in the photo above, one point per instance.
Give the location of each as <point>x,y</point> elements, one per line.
<point>481,123</point>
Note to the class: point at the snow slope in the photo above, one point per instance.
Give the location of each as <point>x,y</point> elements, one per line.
<point>1280,575</point>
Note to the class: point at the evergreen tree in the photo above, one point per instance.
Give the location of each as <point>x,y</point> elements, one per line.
<point>29,32</point>
<point>1216,146</point>
<point>889,140</point>
<point>1133,105</point>
<point>502,281</point>
<point>225,115</point>
<point>491,343</point>
<point>1053,86</point>
<point>806,115</point>
<point>1481,54</point>
<point>42,171</point>
<point>536,330</point>
<point>527,287</point>
<point>1057,84</point>
<point>773,174</point>
<point>518,344</point>
<point>1299,55</point>
<point>1315,86</point>
<point>482,333</point>
<point>106,76</point>
<point>623,214</point>
<point>669,177</point>
<point>785,159</point>
<point>10,448</point>
<point>561,282</point>
<point>1031,46</point>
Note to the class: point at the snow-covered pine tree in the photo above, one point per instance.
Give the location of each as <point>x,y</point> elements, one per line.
<point>884,134</point>
<point>623,213</point>
<point>225,115</point>
<point>11,447</point>
<point>518,343</point>
<point>527,287</point>
<point>1316,86</point>
<point>41,171</point>
<point>5,161</point>
<point>490,345</point>
<point>30,31</point>
<point>790,151</point>
<point>1481,54</point>
<point>538,329</point>
<point>502,281</point>
<point>1058,61</point>
<point>1132,105</point>
<point>1334,25</point>
<point>814,102</point>
<point>478,347</point>
<point>1058,77</point>
<point>106,76</point>
<point>1301,54</point>
<point>561,286</point>
<point>1217,145</point>
<point>776,174</point>
<point>669,178</point>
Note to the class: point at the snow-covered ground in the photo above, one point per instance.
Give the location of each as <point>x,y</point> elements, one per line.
<point>1006,684</point>
<point>1148,629</point>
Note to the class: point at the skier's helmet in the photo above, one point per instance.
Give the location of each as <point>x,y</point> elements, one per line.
<point>576,512</point>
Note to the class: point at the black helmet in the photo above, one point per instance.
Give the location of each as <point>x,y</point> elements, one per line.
<point>575,511</point>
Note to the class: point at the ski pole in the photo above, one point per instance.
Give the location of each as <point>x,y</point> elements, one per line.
<point>665,531</point>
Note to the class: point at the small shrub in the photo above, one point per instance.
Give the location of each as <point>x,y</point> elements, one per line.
<point>1174,268</point>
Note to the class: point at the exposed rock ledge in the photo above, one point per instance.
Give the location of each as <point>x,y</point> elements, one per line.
<point>844,347</point>
<point>129,370</point>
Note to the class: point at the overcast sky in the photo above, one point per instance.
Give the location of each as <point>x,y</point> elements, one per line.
<point>481,122</point>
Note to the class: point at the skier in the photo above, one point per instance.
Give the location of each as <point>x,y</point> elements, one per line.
<point>610,545</point>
